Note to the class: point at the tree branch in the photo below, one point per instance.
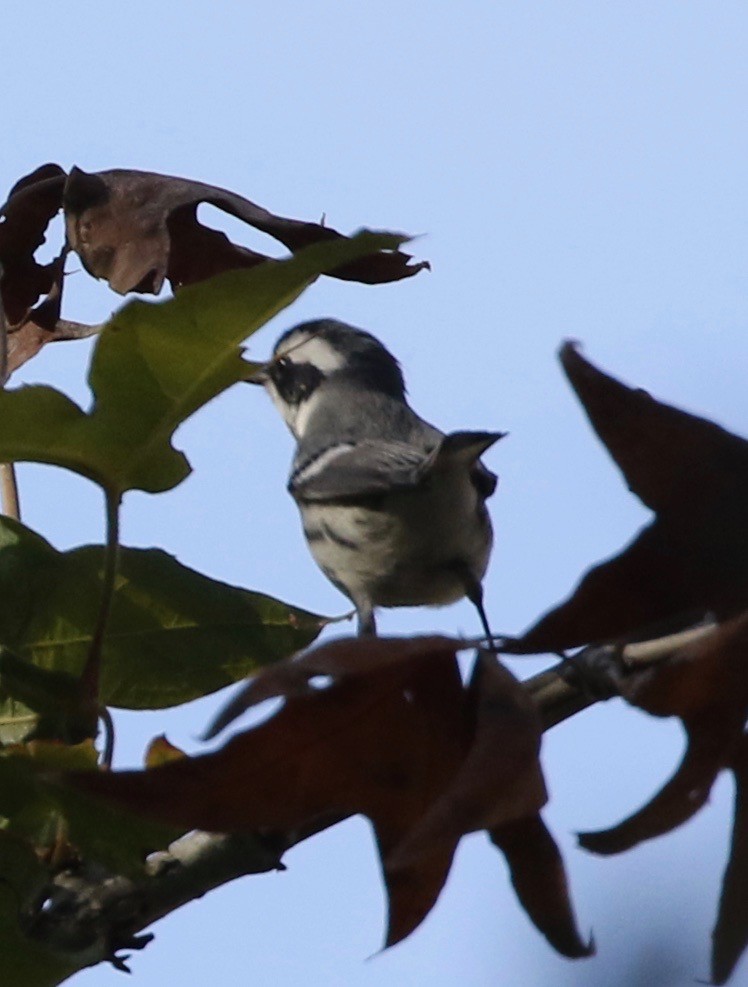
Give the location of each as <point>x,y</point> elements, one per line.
<point>596,673</point>
<point>89,914</point>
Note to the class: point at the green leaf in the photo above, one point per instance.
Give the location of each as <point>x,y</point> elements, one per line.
<point>32,797</point>
<point>173,634</point>
<point>25,963</point>
<point>154,365</point>
<point>39,703</point>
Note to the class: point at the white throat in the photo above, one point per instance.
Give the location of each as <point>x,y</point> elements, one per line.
<point>296,416</point>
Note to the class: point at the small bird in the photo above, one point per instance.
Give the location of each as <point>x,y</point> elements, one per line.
<point>393,510</point>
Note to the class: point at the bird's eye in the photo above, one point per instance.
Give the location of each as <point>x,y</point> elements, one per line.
<point>294,381</point>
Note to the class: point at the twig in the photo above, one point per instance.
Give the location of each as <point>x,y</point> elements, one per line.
<point>8,481</point>
<point>9,491</point>
<point>89,914</point>
<point>64,329</point>
<point>596,672</point>
<point>91,672</point>
<point>3,337</point>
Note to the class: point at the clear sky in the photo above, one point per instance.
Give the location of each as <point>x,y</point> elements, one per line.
<point>576,170</point>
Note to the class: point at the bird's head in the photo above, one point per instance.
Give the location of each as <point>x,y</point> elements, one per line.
<point>313,353</point>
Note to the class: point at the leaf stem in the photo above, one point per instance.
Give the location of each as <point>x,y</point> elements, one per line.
<point>9,491</point>
<point>90,677</point>
<point>107,722</point>
<point>8,483</point>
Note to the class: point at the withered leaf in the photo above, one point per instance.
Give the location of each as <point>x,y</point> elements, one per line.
<point>390,733</point>
<point>705,685</point>
<point>500,777</point>
<point>730,935</point>
<point>343,658</point>
<point>539,879</point>
<point>136,229</point>
<point>31,205</point>
<point>693,558</point>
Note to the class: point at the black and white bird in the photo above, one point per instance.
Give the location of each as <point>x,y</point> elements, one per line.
<point>394,511</point>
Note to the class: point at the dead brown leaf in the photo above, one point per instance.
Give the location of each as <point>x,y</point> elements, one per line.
<point>135,229</point>
<point>390,733</point>
<point>730,935</point>
<point>32,203</point>
<point>706,686</point>
<point>539,880</point>
<point>693,558</point>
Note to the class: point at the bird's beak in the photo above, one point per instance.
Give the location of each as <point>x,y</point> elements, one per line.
<point>257,374</point>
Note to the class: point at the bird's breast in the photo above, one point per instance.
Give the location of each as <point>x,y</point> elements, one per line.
<point>405,548</point>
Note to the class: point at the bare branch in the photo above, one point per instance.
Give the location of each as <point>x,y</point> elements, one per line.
<point>89,914</point>
<point>596,673</point>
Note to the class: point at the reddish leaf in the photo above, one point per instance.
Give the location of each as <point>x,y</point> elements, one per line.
<point>384,745</point>
<point>730,935</point>
<point>343,658</point>
<point>706,686</point>
<point>539,878</point>
<point>694,557</point>
<point>136,228</point>
<point>392,734</point>
<point>500,778</point>
<point>32,203</point>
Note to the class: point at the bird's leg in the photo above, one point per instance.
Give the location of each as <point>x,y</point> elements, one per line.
<point>367,625</point>
<point>474,593</point>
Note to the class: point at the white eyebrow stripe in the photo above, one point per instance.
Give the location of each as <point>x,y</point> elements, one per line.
<point>315,466</point>
<point>313,350</point>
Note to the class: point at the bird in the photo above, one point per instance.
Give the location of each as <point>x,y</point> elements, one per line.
<point>393,510</point>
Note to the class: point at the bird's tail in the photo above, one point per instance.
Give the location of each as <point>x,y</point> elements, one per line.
<point>466,447</point>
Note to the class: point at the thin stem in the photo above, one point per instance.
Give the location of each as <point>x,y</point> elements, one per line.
<point>595,672</point>
<point>9,491</point>
<point>107,722</point>
<point>8,482</point>
<point>92,671</point>
<point>3,337</point>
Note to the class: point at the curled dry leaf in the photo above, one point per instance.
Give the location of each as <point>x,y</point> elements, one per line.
<point>390,733</point>
<point>693,558</point>
<point>136,229</point>
<point>539,880</point>
<point>730,935</point>
<point>32,203</point>
<point>706,686</point>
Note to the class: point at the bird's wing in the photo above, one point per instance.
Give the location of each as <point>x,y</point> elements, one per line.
<point>376,466</point>
<point>362,469</point>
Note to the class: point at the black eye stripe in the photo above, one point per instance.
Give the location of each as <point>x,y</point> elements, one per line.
<point>295,381</point>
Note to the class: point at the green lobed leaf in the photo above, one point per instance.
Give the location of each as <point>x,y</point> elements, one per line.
<point>25,962</point>
<point>154,365</point>
<point>173,635</point>
<point>39,703</point>
<point>32,799</point>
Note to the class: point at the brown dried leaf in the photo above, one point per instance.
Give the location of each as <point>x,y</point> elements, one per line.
<point>730,936</point>
<point>344,657</point>
<point>32,203</point>
<point>384,745</point>
<point>706,686</point>
<point>500,778</point>
<point>694,557</point>
<point>539,879</point>
<point>136,229</point>
<point>392,735</point>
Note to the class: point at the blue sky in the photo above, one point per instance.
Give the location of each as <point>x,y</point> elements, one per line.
<point>574,170</point>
